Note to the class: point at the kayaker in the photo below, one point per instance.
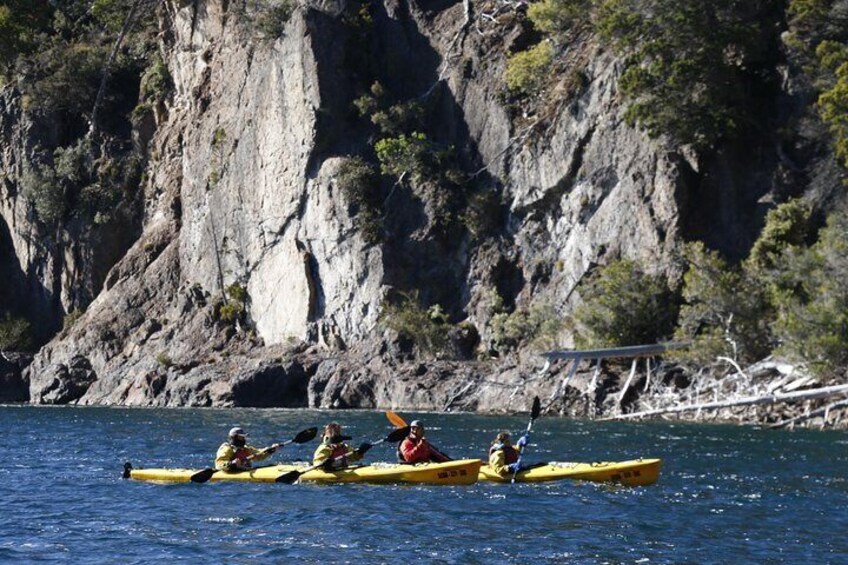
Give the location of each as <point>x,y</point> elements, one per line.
<point>333,453</point>
<point>236,455</point>
<point>416,449</point>
<point>503,457</point>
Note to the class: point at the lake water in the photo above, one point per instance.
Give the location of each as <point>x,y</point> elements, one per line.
<point>725,495</point>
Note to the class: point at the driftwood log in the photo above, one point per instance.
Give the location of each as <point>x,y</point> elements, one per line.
<point>823,392</point>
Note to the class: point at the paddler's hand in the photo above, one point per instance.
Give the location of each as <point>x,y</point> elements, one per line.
<point>271,449</point>
<point>363,448</point>
<point>522,441</point>
<point>513,467</point>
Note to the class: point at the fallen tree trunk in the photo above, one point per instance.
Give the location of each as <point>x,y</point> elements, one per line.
<point>823,392</point>
<point>813,414</point>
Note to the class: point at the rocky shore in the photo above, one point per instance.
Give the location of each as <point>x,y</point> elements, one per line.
<point>307,377</point>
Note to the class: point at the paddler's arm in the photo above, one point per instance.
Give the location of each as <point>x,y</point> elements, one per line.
<point>260,454</point>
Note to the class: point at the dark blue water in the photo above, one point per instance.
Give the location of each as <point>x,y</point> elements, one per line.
<point>726,494</point>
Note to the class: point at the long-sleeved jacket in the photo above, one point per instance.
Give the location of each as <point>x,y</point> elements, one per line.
<point>420,451</point>
<point>228,452</point>
<point>500,456</point>
<point>329,450</point>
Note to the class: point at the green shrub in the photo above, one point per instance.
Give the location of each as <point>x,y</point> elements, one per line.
<point>272,19</point>
<point>536,326</point>
<point>399,118</point>
<point>527,71</point>
<point>390,119</point>
<point>43,189</point>
<point>369,103</point>
<point>356,178</point>
<point>109,13</point>
<point>69,77</point>
<point>156,81</point>
<point>482,214</point>
<point>555,16</point>
<point>237,292</point>
<point>623,305</point>
<point>73,164</point>
<point>219,136</point>
<point>426,327</point>
<point>359,183</point>
<point>233,310</point>
<point>690,64</point>
<point>15,334</point>
<point>164,359</point>
<point>725,312</point>
<point>786,225</point>
<point>405,153</point>
<point>21,22</point>
<point>833,107</point>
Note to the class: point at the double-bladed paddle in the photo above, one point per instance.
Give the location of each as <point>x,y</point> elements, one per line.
<point>293,476</point>
<point>302,437</point>
<point>534,413</point>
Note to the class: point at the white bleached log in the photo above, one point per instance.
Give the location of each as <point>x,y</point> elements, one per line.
<point>818,412</point>
<point>823,392</point>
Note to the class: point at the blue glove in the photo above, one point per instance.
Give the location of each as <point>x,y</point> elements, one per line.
<point>514,467</point>
<point>522,441</point>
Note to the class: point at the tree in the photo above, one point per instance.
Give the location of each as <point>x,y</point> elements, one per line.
<point>812,299</point>
<point>623,305</point>
<point>21,21</point>
<point>725,311</point>
<point>786,225</point>
<point>526,71</point>
<point>690,64</point>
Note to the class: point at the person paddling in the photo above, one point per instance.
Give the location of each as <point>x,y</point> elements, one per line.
<point>333,453</point>
<point>236,455</point>
<point>416,449</point>
<point>503,457</point>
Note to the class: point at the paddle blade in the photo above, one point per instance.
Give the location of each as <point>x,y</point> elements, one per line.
<point>202,476</point>
<point>288,478</point>
<point>396,420</point>
<point>536,409</point>
<point>398,434</point>
<point>305,435</point>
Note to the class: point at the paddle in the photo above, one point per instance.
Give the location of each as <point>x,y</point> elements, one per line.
<point>302,437</point>
<point>534,413</point>
<point>399,422</point>
<point>292,476</point>
<point>396,420</point>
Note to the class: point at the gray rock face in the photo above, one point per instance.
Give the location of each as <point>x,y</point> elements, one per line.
<point>64,384</point>
<point>242,190</point>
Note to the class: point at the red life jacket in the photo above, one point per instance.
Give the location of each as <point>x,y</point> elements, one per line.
<point>510,453</point>
<point>339,450</point>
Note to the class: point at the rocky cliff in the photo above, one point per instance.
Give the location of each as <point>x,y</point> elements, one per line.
<point>241,207</point>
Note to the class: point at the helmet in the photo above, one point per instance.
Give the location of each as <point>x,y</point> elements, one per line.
<point>416,424</point>
<point>235,432</point>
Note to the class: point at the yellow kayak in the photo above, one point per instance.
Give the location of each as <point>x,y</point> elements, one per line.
<point>638,472</point>
<point>461,472</point>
